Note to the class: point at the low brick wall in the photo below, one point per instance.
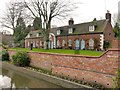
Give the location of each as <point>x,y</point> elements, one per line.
<point>116,43</point>
<point>95,69</point>
<point>39,60</point>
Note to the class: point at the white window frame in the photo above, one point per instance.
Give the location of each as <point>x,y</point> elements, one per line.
<point>70,30</point>
<point>28,35</point>
<point>40,43</point>
<point>28,44</point>
<point>58,32</point>
<point>58,43</point>
<point>38,34</point>
<point>37,44</point>
<point>70,42</point>
<point>63,43</point>
<point>91,28</point>
<point>91,44</point>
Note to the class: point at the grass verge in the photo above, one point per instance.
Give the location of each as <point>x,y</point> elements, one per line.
<point>62,51</point>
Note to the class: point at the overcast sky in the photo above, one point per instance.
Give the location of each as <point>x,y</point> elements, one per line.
<point>87,10</point>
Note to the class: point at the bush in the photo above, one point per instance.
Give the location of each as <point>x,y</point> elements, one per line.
<point>106,45</point>
<point>117,79</point>
<point>21,58</point>
<point>3,46</point>
<point>77,52</point>
<point>4,55</point>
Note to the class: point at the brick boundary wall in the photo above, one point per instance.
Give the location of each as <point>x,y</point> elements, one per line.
<point>93,69</point>
<point>38,60</point>
<point>116,43</point>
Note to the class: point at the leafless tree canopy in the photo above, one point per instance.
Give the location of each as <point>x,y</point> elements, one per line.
<point>14,11</point>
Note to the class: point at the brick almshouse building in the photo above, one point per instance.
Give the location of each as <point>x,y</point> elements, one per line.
<point>90,35</point>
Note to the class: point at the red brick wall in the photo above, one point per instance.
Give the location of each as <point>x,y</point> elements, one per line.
<point>95,69</point>
<point>34,40</point>
<point>39,60</point>
<point>90,69</point>
<point>79,37</point>
<point>38,40</point>
<point>116,43</point>
<point>108,33</point>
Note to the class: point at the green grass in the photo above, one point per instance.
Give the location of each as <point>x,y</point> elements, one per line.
<point>62,51</point>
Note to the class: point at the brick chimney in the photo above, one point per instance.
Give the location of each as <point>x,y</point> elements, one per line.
<point>71,21</point>
<point>108,16</point>
<point>32,28</point>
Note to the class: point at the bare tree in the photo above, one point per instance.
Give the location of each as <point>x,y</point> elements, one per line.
<point>46,10</point>
<point>14,11</point>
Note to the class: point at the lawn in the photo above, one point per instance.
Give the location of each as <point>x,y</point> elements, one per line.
<point>61,51</point>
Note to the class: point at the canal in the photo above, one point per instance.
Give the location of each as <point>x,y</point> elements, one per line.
<point>16,79</point>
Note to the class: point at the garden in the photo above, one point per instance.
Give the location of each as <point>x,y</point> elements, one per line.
<point>63,51</point>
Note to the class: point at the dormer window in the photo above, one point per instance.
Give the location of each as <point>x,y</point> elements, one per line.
<point>91,28</point>
<point>58,32</point>
<point>29,35</point>
<point>38,34</point>
<point>70,30</point>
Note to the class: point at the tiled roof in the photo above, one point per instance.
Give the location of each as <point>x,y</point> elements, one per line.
<point>34,34</point>
<point>82,28</point>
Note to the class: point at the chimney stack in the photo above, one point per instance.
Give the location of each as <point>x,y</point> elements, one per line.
<point>108,16</point>
<point>32,28</point>
<point>71,21</point>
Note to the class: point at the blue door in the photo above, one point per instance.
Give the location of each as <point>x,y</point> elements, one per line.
<point>77,44</point>
<point>51,44</point>
<point>33,44</point>
<point>82,44</point>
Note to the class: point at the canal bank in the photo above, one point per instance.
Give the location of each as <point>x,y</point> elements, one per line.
<point>49,78</point>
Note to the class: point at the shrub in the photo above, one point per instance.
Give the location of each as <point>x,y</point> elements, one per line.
<point>77,52</point>
<point>4,55</point>
<point>117,79</point>
<point>106,45</point>
<point>21,58</point>
<point>3,46</point>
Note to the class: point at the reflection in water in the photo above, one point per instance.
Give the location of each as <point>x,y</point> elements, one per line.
<point>13,79</point>
<point>5,82</point>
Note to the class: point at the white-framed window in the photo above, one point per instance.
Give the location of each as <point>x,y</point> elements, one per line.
<point>58,43</point>
<point>37,43</point>
<point>28,44</point>
<point>40,43</point>
<point>91,43</point>
<point>70,43</point>
<point>70,30</point>
<point>91,28</point>
<point>58,32</point>
<point>38,34</point>
<point>29,35</point>
<point>63,43</point>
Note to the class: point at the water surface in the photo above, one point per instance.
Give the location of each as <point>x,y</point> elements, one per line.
<point>13,79</point>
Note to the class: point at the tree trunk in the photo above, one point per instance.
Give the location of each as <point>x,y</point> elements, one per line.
<point>46,43</point>
<point>46,40</point>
